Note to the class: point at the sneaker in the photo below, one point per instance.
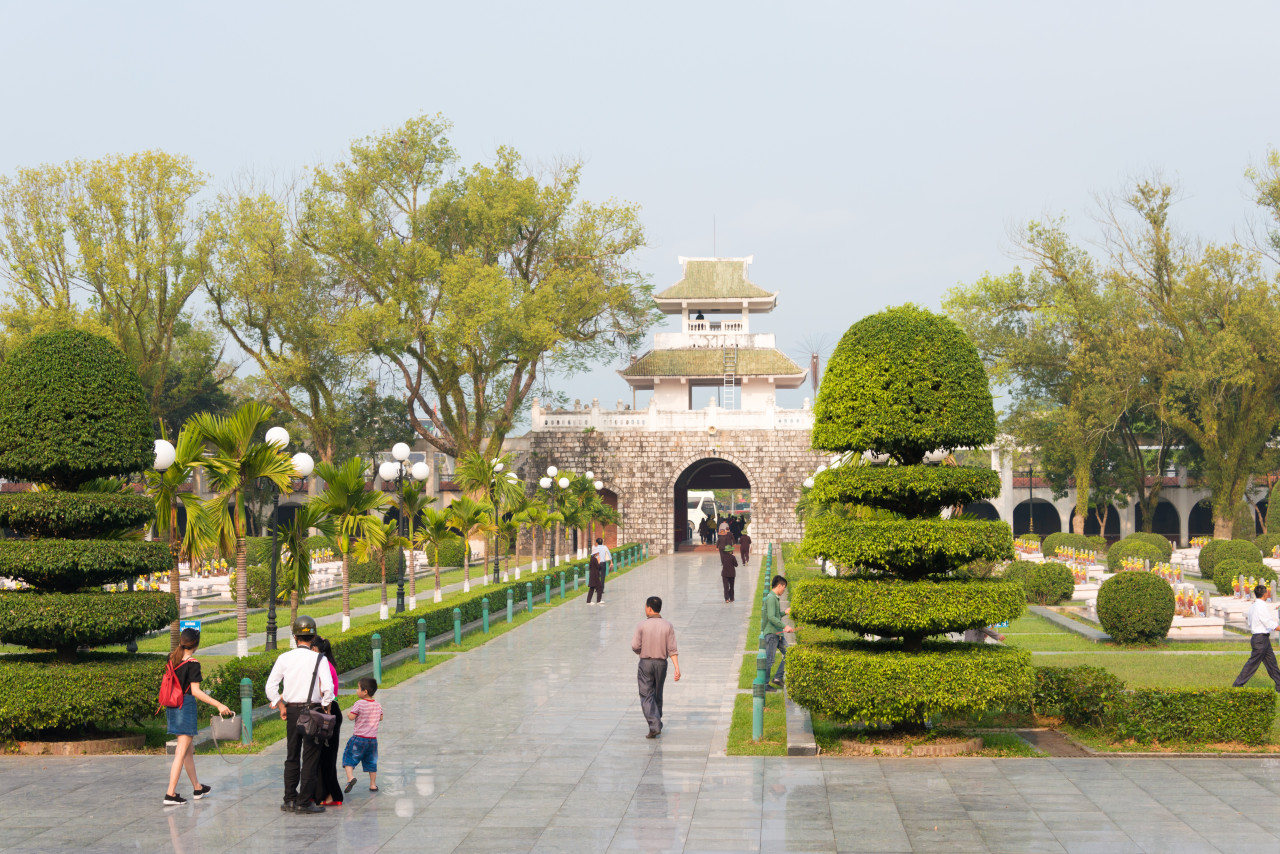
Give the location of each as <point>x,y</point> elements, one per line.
<point>777,682</point>
<point>601,604</point>
<point>174,800</point>
<point>653,733</point>
<point>201,792</point>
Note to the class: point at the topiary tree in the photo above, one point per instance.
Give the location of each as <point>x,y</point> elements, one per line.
<point>1046,583</point>
<point>1062,539</point>
<point>905,382</point>
<point>1158,540</point>
<point>1098,543</point>
<point>1219,550</point>
<point>72,411</point>
<point>1228,570</point>
<point>1273,510</point>
<point>1266,543</point>
<point>1136,607</point>
<point>1132,549</point>
<point>1245,526</point>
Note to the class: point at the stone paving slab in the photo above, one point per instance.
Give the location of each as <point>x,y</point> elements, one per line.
<point>535,742</point>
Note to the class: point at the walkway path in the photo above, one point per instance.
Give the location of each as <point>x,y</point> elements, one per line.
<point>535,742</point>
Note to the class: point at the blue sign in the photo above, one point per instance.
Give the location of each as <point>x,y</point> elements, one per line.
<point>189,624</point>
<point>1003,625</point>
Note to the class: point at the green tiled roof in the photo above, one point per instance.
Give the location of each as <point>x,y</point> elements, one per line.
<point>719,278</point>
<point>708,362</point>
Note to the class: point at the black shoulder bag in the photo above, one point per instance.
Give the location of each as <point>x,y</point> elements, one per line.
<point>316,724</point>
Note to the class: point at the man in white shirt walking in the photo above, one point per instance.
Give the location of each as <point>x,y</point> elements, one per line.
<point>1262,622</point>
<point>603,555</point>
<point>308,684</point>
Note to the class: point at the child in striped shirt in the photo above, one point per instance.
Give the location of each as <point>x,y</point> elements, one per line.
<point>362,747</point>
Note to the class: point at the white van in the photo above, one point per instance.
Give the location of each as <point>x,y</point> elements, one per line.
<point>702,505</point>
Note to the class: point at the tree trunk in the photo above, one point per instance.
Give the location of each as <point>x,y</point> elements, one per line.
<point>175,587</point>
<point>1222,527</point>
<point>1082,497</point>
<point>382,560</point>
<point>346,590</point>
<point>242,598</point>
<point>293,607</point>
<point>466,567</point>
<point>413,578</point>
<point>437,596</point>
<point>555,543</point>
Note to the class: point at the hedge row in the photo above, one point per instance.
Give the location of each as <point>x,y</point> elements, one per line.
<point>38,693</point>
<point>1219,550</point>
<point>1091,696</point>
<point>68,620</point>
<point>1158,540</point>
<point>895,608</point>
<point>876,681</point>
<point>906,490</point>
<point>1227,571</point>
<point>914,548</point>
<point>79,515</point>
<point>1136,549</point>
<point>1046,583</point>
<point>68,565</point>
<point>1267,542</point>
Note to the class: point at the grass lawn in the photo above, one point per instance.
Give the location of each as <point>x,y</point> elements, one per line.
<point>774,742</point>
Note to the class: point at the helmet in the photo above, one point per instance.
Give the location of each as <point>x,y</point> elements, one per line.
<point>304,627</point>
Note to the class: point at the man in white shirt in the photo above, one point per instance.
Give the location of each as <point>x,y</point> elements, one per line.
<point>602,553</point>
<point>307,685</point>
<point>1262,622</point>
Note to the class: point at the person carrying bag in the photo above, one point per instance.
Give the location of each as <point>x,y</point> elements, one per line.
<point>307,687</point>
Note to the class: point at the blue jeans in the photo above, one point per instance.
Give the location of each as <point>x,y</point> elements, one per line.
<point>775,643</point>
<point>363,751</point>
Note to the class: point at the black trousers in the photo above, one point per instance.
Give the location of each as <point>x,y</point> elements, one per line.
<point>728,587</point>
<point>650,676</point>
<point>1260,653</point>
<point>327,785</point>
<point>301,761</point>
<point>599,591</point>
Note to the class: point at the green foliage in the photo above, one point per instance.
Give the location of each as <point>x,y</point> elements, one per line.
<point>1133,549</point>
<point>68,620</point>
<point>897,608</point>
<point>905,490</point>
<point>1266,543</point>
<point>67,565</point>
<point>1136,607</point>
<point>1273,510</point>
<point>1158,540</point>
<point>223,683</point>
<point>1215,551</point>
<point>73,515</point>
<point>1198,715</point>
<point>37,692</point>
<point>1065,540</point>
<point>911,548</point>
<point>1082,695</point>
<point>905,382</point>
<point>1227,571</point>
<point>71,410</point>
<point>1045,583</point>
<point>1245,526</point>
<point>1098,544</point>
<point>879,682</point>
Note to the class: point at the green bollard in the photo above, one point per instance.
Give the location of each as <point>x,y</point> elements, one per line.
<point>484,615</point>
<point>562,584</point>
<point>757,697</point>
<point>510,602</point>
<point>547,598</point>
<point>246,710</point>
<point>760,645</point>
<point>422,641</point>
<point>457,626</point>
<point>377,657</point>
<point>528,596</point>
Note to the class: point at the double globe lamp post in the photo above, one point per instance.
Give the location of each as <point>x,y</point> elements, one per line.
<point>394,471</point>
<point>563,483</point>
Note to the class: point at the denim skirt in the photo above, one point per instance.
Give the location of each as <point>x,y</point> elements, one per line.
<point>182,720</point>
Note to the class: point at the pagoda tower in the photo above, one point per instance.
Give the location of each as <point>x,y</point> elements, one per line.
<point>715,349</point>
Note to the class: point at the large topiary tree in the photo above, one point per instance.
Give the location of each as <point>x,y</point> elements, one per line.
<point>72,411</point>
<point>905,383</point>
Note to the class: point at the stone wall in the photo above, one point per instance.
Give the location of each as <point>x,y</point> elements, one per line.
<point>641,468</point>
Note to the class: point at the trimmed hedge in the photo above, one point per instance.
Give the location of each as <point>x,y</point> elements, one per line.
<point>912,548</point>
<point>1062,539</point>
<point>1158,540</point>
<point>37,692</point>
<point>1202,715</point>
<point>904,381</point>
<point>1082,695</point>
<point>897,608</point>
<point>1133,549</point>
<point>72,409</point>
<point>1136,607</point>
<point>1098,544</point>
<point>223,683</point>
<point>67,565</point>
<point>1267,542</point>
<point>1219,550</point>
<point>879,682</point>
<point>76,515</point>
<point>906,490</point>
<point>69,620</point>
<point>1045,583</point>
<point>1228,570</point>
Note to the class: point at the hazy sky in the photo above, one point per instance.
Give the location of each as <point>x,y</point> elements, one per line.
<point>865,154</point>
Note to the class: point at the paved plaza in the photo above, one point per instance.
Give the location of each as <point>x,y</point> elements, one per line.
<point>535,742</point>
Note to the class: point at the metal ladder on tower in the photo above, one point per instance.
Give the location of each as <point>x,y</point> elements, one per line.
<point>730,377</point>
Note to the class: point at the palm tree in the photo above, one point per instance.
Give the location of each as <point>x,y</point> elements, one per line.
<point>377,538</point>
<point>435,532</point>
<point>297,566</point>
<point>235,461</point>
<point>199,534</point>
<point>518,515</point>
<point>546,520</point>
<point>414,500</point>
<point>470,517</point>
<point>346,501</point>
<point>494,482</point>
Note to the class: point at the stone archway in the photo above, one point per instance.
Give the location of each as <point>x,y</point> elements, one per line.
<point>700,473</point>
<point>1041,513</point>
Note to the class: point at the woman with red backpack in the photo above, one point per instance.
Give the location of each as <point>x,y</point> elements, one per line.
<point>185,671</point>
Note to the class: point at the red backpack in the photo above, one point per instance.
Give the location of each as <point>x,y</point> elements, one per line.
<point>171,693</point>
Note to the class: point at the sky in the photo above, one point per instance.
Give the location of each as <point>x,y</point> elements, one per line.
<point>866,155</point>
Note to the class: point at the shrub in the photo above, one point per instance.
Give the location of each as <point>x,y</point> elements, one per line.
<point>73,514</point>
<point>223,682</point>
<point>890,608</point>
<point>1158,540</point>
<point>905,490</point>
<point>1082,695</point>
<point>1062,539</point>
<point>1193,715</point>
<point>1245,521</point>
<point>1229,570</point>
<point>1219,550</point>
<point>1045,583</point>
<point>1132,549</point>
<point>37,692</point>
<point>46,620</point>
<point>1267,542</point>
<point>1136,607</point>
<point>912,548</point>
<point>1098,544</point>
<point>1273,510</point>
<point>71,379</point>
<point>67,565</point>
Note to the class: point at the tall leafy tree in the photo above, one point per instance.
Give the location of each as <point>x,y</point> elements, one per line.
<point>377,537</point>
<point>347,502</point>
<point>493,483</point>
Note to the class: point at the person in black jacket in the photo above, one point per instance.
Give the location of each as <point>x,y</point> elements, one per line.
<point>328,789</point>
<point>595,581</point>
<point>728,563</point>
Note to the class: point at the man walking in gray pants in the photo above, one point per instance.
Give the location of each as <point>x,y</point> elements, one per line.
<point>654,641</point>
